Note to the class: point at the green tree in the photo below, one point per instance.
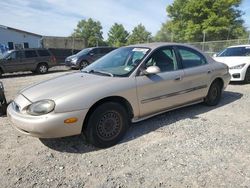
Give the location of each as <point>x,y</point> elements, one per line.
<point>117,35</point>
<point>163,35</point>
<point>90,31</point>
<point>191,20</point>
<point>139,35</point>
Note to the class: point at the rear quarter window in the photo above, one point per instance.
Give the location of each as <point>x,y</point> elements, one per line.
<point>30,53</point>
<point>43,53</point>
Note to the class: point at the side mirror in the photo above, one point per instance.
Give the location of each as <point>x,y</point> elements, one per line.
<point>151,70</point>
<point>91,53</point>
<point>215,55</point>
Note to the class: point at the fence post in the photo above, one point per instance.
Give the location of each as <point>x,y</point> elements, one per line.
<point>249,38</point>
<point>73,45</point>
<point>204,39</point>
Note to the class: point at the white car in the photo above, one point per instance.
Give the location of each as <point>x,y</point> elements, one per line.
<point>237,58</point>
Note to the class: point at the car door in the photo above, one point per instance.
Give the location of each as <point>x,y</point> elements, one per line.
<point>30,60</point>
<point>161,91</point>
<point>197,73</point>
<point>12,62</point>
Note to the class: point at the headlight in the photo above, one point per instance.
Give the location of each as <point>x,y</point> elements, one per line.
<point>74,60</point>
<point>41,107</point>
<point>238,66</point>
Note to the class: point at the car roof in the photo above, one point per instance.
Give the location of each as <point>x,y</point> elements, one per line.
<point>155,45</point>
<point>101,47</point>
<point>238,46</point>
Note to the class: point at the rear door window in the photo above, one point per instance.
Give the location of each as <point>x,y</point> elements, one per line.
<point>95,51</point>
<point>43,53</point>
<point>191,58</point>
<point>30,54</point>
<point>105,50</point>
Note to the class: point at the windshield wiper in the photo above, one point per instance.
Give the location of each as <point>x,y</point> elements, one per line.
<point>100,72</point>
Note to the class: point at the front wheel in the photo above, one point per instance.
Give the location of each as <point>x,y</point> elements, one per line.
<point>42,68</point>
<point>107,125</point>
<point>214,94</point>
<point>83,64</point>
<point>247,76</point>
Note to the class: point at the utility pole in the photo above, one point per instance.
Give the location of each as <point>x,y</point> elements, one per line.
<point>172,36</point>
<point>73,44</point>
<point>97,38</point>
<point>228,33</point>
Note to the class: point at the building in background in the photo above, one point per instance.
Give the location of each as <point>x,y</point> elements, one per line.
<point>12,38</point>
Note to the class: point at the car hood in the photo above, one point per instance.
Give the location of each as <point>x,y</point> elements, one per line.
<point>65,85</point>
<point>232,61</point>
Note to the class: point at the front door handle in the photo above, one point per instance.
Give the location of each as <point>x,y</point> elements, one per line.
<point>209,71</point>
<point>178,78</point>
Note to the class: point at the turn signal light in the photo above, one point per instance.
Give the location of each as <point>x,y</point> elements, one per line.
<point>70,120</point>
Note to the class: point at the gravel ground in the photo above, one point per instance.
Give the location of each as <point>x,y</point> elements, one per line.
<point>196,146</point>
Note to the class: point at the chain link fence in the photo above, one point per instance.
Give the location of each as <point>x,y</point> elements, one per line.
<point>62,47</point>
<point>213,47</point>
<point>72,43</point>
<point>63,43</point>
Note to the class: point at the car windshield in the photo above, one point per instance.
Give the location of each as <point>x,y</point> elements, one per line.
<point>83,52</point>
<point>235,51</point>
<point>121,62</point>
<point>5,55</point>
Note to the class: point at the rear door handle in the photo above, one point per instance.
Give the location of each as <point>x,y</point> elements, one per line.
<point>209,71</point>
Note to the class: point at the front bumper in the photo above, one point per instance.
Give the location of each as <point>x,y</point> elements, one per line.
<point>238,74</point>
<point>46,126</point>
<point>72,65</point>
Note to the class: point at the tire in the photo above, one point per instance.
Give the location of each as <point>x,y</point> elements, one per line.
<point>107,125</point>
<point>3,108</point>
<point>83,64</point>
<point>247,76</point>
<point>42,68</point>
<point>214,94</point>
<point>3,103</point>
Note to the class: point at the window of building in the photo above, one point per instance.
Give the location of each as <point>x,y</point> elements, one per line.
<point>25,45</point>
<point>10,45</point>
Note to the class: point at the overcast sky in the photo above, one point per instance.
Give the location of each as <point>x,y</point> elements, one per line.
<point>60,17</point>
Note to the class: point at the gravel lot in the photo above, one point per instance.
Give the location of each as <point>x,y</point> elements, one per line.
<point>196,146</point>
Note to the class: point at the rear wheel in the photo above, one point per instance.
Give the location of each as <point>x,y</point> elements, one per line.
<point>83,64</point>
<point>214,94</point>
<point>107,125</point>
<point>247,76</point>
<point>42,68</point>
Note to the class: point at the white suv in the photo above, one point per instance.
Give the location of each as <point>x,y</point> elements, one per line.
<point>238,60</point>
